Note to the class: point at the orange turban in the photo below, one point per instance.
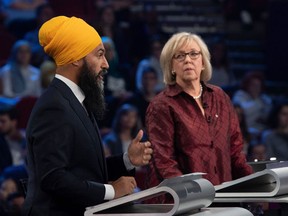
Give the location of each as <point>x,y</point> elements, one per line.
<point>68,39</point>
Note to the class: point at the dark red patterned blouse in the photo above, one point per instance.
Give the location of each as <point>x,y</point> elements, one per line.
<point>185,141</point>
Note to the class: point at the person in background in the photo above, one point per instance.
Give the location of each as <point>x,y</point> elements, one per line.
<point>5,154</point>
<point>276,137</point>
<point>8,187</point>
<point>44,12</point>
<point>107,24</point>
<point>116,80</point>
<point>12,136</point>
<point>257,152</point>
<point>152,61</point>
<point>116,84</point>
<point>192,125</point>
<point>20,15</point>
<point>142,97</point>
<point>219,61</point>
<point>66,164</point>
<point>18,77</point>
<point>48,70</point>
<point>255,103</point>
<point>11,198</point>
<point>125,126</point>
<point>243,127</point>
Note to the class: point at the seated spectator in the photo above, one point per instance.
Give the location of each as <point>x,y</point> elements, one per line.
<point>5,154</point>
<point>107,24</point>
<point>8,187</point>
<point>257,152</point>
<point>115,84</point>
<point>20,15</point>
<point>16,172</point>
<point>151,61</point>
<point>243,126</point>
<point>142,97</point>
<point>221,74</point>
<point>7,41</point>
<point>44,12</point>
<point>255,103</point>
<point>115,81</point>
<point>18,77</point>
<point>126,124</point>
<point>12,136</point>
<point>11,197</point>
<point>48,69</point>
<point>276,138</point>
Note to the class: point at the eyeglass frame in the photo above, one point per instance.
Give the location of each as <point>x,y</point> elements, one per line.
<point>192,55</point>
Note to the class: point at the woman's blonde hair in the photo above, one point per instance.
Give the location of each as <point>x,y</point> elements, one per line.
<point>173,45</point>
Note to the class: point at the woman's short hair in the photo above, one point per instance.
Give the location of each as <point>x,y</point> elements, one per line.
<point>173,45</point>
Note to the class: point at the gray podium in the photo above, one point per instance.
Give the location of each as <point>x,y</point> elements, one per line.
<point>191,193</point>
<point>268,185</point>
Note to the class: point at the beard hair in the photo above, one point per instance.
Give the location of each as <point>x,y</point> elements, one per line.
<point>93,88</point>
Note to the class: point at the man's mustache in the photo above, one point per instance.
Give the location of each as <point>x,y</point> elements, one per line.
<point>102,73</point>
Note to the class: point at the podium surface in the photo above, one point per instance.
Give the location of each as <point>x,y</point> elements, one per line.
<point>144,210</point>
<point>192,195</point>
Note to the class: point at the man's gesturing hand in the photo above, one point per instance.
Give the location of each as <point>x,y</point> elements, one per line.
<point>139,153</point>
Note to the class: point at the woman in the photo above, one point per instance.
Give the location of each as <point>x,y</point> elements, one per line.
<point>19,78</point>
<point>126,124</point>
<point>255,103</point>
<point>276,138</point>
<point>192,125</point>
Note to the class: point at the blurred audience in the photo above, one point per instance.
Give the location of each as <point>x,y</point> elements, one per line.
<point>145,26</point>
<point>126,124</point>
<point>18,77</point>
<point>276,137</point>
<point>11,197</point>
<point>48,69</point>
<point>12,136</point>
<point>24,108</point>
<point>151,61</point>
<point>243,126</point>
<point>246,11</point>
<point>257,152</point>
<point>8,187</point>
<point>108,25</point>
<point>5,154</point>
<point>142,97</point>
<point>20,15</point>
<point>78,8</point>
<point>117,79</point>
<point>44,12</point>
<point>255,103</point>
<point>221,75</point>
<point>116,84</point>
<point>7,41</point>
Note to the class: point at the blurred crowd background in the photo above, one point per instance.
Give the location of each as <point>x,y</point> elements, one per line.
<point>247,40</point>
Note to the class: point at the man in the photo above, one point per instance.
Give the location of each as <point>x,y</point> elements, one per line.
<point>12,141</point>
<point>66,165</point>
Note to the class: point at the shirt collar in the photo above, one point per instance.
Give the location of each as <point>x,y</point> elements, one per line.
<point>77,91</point>
<point>173,90</point>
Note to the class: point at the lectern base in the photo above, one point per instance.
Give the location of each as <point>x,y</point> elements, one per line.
<point>145,210</point>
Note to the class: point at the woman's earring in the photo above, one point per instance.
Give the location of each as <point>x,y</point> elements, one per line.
<point>173,75</point>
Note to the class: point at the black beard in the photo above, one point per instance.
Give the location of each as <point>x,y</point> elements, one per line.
<point>94,92</point>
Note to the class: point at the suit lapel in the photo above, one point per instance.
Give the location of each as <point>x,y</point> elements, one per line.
<point>83,116</point>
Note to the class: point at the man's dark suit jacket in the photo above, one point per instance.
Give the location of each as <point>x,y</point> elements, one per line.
<point>66,164</point>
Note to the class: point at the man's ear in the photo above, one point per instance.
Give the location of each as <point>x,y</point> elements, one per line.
<point>77,63</point>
